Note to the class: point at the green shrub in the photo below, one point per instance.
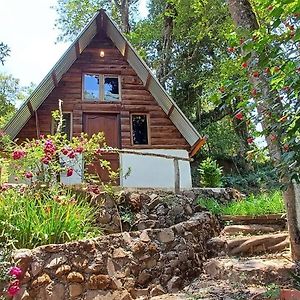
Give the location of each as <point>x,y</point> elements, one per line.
<point>262,204</point>
<point>210,173</point>
<point>33,218</point>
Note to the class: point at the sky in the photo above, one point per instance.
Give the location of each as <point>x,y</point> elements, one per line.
<point>27,27</point>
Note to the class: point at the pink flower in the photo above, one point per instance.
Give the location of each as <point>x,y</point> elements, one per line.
<point>71,154</point>
<point>70,172</point>
<point>79,149</point>
<point>64,151</point>
<point>18,154</point>
<point>45,160</point>
<point>49,147</point>
<point>13,288</point>
<point>15,272</point>
<point>28,175</point>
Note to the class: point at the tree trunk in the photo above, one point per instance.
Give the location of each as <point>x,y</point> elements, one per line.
<point>123,9</point>
<point>164,66</point>
<point>245,18</point>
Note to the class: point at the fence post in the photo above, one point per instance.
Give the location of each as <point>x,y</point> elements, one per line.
<point>177,175</point>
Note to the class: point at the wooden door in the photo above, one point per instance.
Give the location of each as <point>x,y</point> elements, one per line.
<point>109,124</point>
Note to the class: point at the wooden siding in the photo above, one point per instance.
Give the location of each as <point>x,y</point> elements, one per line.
<point>135,99</point>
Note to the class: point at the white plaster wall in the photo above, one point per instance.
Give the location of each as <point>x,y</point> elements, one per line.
<point>77,165</point>
<point>154,172</point>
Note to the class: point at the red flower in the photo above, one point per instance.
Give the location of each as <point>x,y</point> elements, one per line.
<point>79,149</point>
<point>239,116</point>
<point>18,154</point>
<point>286,88</point>
<point>286,147</point>
<point>230,49</point>
<point>15,272</point>
<point>298,70</point>
<point>49,147</point>
<point>70,172</point>
<point>273,137</point>
<point>255,74</point>
<point>45,160</point>
<point>270,7</point>
<point>71,154</point>
<point>28,175</point>
<point>244,65</point>
<point>64,151</point>
<point>254,92</point>
<point>250,140</point>
<point>13,288</point>
<point>267,70</point>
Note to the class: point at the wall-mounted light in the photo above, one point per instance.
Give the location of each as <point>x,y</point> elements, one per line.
<point>101,53</point>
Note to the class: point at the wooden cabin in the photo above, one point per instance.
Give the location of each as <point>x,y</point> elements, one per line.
<point>105,86</point>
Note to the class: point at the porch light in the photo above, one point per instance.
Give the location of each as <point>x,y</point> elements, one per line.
<point>101,53</point>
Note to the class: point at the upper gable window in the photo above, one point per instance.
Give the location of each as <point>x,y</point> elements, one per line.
<point>91,87</point>
<point>98,87</point>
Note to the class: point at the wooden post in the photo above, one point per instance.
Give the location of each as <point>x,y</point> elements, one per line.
<point>177,176</point>
<point>37,125</point>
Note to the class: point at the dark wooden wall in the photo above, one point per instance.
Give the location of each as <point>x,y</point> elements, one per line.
<point>135,99</point>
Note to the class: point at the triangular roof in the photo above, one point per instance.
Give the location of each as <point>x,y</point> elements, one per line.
<point>101,21</point>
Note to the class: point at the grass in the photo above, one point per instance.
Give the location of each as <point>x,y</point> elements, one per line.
<point>262,204</point>
<point>32,220</point>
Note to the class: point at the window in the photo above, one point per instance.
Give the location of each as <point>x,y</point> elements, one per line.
<point>139,125</point>
<point>101,88</point>
<point>67,125</point>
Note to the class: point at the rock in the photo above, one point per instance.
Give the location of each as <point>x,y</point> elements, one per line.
<point>216,246</point>
<point>98,295</point>
<point>99,282</point>
<point>143,277</point>
<point>174,284</point>
<point>137,293</point>
<point>95,268</point>
<point>105,217</point>
<point>166,235</point>
<point>63,270</point>
<point>115,284</point>
<point>24,257</point>
<point>36,267</point>
<point>155,200</point>
<point>119,253</point>
<point>144,236</point>
<point>188,209</point>
<point>22,295</point>
<point>56,260</point>
<point>26,278</point>
<point>75,277</point>
<point>41,280</point>
<point>53,248</point>
<point>80,262</point>
<point>135,202</point>
<point>157,291</point>
<point>56,293</point>
<point>75,290</point>
<point>111,271</point>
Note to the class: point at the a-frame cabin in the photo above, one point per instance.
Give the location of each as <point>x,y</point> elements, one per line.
<point>105,86</point>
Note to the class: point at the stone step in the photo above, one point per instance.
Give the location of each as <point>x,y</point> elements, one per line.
<point>260,270</point>
<point>253,245</point>
<point>250,229</point>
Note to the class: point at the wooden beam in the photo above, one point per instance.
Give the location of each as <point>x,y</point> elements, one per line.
<point>77,49</point>
<point>171,110</point>
<point>54,79</point>
<point>147,81</point>
<point>29,105</point>
<point>126,51</point>
<point>197,146</point>
<point>37,125</point>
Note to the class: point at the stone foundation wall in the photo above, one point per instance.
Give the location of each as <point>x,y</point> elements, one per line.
<point>119,266</point>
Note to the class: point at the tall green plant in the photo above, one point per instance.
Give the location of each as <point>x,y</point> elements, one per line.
<point>210,173</point>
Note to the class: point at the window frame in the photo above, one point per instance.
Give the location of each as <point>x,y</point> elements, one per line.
<point>148,129</point>
<point>101,88</point>
<point>71,123</point>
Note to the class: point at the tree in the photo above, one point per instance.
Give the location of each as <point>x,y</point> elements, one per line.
<point>267,55</point>
<point>10,94</point>
<point>4,52</point>
<point>73,15</point>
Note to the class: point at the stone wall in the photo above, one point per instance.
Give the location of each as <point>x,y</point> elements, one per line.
<point>140,210</point>
<point>119,266</point>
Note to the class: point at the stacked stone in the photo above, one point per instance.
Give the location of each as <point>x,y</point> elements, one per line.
<point>121,266</point>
